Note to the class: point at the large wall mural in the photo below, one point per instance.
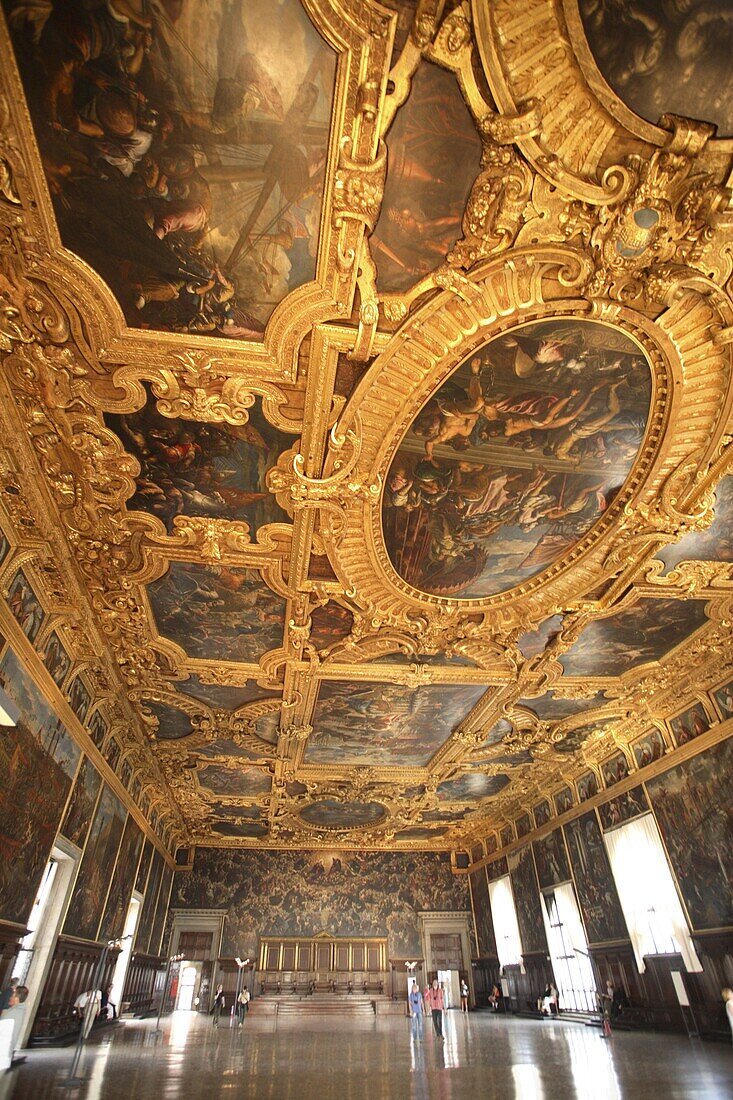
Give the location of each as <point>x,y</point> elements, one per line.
<point>92,880</point>
<point>150,902</point>
<point>594,883</point>
<point>527,901</point>
<point>78,818</point>
<point>666,56</point>
<point>385,723</point>
<point>161,912</point>
<point>38,761</point>
<point>123,880</point>
<point>644,632</point>
<point>692,805</point>
<point>551,860</point>
<point>184,147</point>
<point>485,936</point>
<point>303,893</point>
<point>515,457</point>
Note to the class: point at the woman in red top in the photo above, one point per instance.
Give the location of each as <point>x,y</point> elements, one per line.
<point>434,1002</point>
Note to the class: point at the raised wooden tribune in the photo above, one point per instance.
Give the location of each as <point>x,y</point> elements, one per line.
<point>319,1004</point>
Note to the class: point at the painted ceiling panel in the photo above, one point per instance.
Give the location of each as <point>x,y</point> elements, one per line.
<point>384,723</point>
<point>356,376</point>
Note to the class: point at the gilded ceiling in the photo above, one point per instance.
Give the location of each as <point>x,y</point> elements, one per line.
<point>366,402</point>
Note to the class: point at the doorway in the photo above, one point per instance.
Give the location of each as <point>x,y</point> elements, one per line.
<point>187,987</point>
<point>123,959</point>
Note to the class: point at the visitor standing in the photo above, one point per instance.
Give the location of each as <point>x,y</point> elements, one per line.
<point>464,996</point>
<point>8,993</point>
<point>434,1001</point>
<point>728,998</point>
<point>242,1002</point>
<point>218,1004</point>
<point>416,1011</point>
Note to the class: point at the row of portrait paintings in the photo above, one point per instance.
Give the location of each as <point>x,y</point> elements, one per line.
<point>692,722</point>
<point>27,609</point>
<point>691,808</point>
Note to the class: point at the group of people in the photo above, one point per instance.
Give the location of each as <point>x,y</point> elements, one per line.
<point>431,1002</point>
<point>241,1004</point>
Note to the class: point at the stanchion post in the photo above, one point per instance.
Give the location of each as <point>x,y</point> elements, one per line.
<point>72,1080</point>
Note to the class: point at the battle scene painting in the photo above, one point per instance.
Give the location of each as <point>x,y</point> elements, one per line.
<point>689,724</point>
<point>184,147</point>
<point>624,807</point>
<point>90,889</point>
<point>217,613</point>
<point>644,632</point>
<point>527,902</point>
<point>515,457</point>
<point>301,893</point>
<point>693,809</point>
<point>385,724</point>
<point>433,157</point>
<point>594,882</point>
<point>192,469</point>
<point>666,56</point>
<point>329,814</point>
<point>551,860</point>
<point>37,769</point>
<point>483,921</point>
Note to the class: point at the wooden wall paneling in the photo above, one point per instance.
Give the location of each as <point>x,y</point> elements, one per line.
<point>72,973</point>
<point>140,981</point>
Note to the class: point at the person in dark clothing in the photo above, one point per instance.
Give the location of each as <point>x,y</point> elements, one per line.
<point>218,1004</point>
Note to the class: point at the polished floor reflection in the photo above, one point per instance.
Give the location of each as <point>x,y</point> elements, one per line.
<point>482,1057</point>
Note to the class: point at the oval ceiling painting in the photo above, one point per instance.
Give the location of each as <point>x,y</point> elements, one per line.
<point>515,457</point>
<point>329,814</point>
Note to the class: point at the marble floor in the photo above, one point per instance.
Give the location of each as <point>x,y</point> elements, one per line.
<point>483,1056</point>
